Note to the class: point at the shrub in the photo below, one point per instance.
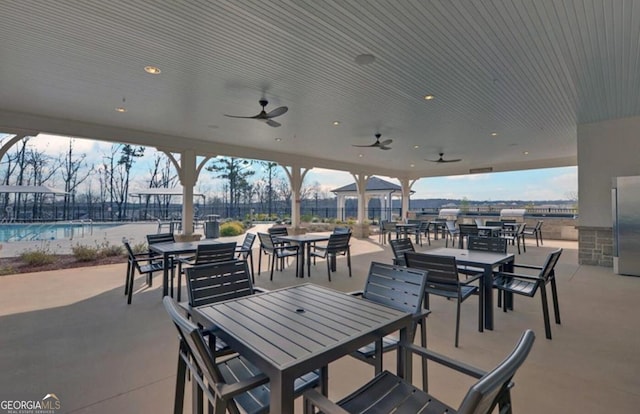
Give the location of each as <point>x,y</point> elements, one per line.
<point>231,228</point>
<point>85,253</point>
<point>6,270</point>
<point>107,249</point>
<point>37,257</point>
<point>140,248</point>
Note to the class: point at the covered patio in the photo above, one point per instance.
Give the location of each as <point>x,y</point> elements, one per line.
<point>71,333</point>
<point>497,85</point>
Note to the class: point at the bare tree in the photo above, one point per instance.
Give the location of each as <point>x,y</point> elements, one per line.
<point>74,171</point>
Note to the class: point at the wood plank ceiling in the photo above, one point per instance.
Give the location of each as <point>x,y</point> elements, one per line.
<point>528,71</point>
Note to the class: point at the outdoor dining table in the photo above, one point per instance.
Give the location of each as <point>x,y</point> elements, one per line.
<point>305,241</point>
<point>167,250</point>
<point>292,331</point>
<point>438,225</point>
<point>487,261</point>
<point>406,228</point>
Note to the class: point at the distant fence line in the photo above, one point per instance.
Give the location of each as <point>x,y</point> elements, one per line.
<point>137,212</point>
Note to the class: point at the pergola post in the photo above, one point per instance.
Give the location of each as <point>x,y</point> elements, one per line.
<point>406,185</point>
<point>361,229</point>
<point>296,176</point>
<point>188,173</point>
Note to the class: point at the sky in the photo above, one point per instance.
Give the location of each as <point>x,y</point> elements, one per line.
<point>542,184</point>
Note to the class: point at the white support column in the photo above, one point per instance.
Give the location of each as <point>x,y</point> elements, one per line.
<point>188,173</point>
<point>361,185</point>
<point>296,176</point>
<point>406,185</point>
<point>340,202</point>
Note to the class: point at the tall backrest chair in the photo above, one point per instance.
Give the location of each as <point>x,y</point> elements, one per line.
<point>487,244</point>
<point>158,238</point>
<point>386,229</point>
<point>234,385</point>
<point>516,236</point>
<point>207,253</point>
<point>144,263</point>
<point>536,232</point>
<point>391,394</point>
<point>466,231</point>
<point>452,233</point>
<point>338,244</point>
<point>399,247</point>
<point>215,282</point>
<point>277,251</point>
<point>399,288</point>
<point>529,284</point>
<point>245,251</point>
<point>443,280</point>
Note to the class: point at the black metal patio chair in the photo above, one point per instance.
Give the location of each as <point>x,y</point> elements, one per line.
<point>399,288</point>
<point>399,247</point>
<point>234,385</point>
<point>245,251</point>
<point>528,285</point>
<point>145,264</point>
<point>206,253</point>
<point>280,252</point>
<point>338,244</point>
<point>387,393</point>
<point>443,280</point>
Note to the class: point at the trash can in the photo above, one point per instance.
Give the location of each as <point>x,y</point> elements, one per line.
<point>212,227</point>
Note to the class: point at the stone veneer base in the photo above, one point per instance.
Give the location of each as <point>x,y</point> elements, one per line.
<point>595,246</point>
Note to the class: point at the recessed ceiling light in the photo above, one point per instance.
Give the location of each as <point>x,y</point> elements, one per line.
<point>336,123</point>
<point>416,146</point>
<point>429,97</point>
<point>494,134</point>
<point>365,59</point>
<point>412,165</point>
<point>278,139</point>
<point>121,109</point>
<point>154,70</point>
<point>525,152</point>
<point>360,155</point>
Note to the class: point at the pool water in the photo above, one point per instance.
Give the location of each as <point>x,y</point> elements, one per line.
<point>48,231</point>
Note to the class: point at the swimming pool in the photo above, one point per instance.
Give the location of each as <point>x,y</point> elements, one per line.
<point>10,232</point>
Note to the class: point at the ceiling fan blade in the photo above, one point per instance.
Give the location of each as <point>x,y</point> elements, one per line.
<point>277,112</point>
<point>386,142</point>
<point>383,147</point>
<point>366,146</point>
<point>456,160</point>
<point>273,123</point>
<point>243,117</point>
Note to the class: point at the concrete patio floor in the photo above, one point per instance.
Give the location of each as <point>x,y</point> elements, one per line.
<point>71,333</point>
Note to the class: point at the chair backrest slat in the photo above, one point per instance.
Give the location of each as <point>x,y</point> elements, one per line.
<point>338,241</point>
<point>549,265</point>
<point>160,238</point>
<point>215,252</point>
<point>266,242</point>
<point>442,270</point>
<point>494,387</point>
<point>248,241</point>
<point>493,223</point>
<point>399,247</point>
<point>214,282</point>
<point>395,286</point>
<point>341,229</point>
<point>468,229</point>
<point>278,231</point>
<point>488,244</point>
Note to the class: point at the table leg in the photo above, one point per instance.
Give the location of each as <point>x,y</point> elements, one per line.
<point>488,297</point>
<point>308,260</point>
<point>508,296</point>
<point>165,275</point>
<point>404,368</point>
<point>281,394</point>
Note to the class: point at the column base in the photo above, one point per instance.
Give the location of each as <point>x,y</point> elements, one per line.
<point>360,231</point>
<point>187,237</point>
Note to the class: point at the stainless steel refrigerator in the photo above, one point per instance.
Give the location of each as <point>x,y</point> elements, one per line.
<point>625,200</point>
